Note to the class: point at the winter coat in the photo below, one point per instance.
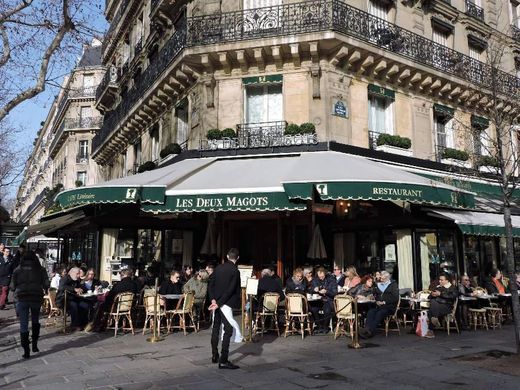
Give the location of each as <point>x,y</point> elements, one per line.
<point>69,285</point>
<point>29,282</point>
<point>125,285</point>
<point>390,296</point>
<point>447,296</point>
<point>6,269</point>
<point>294,286</point>
<point>199,287</point>
<point>224,285</point>
<point>329,284</point>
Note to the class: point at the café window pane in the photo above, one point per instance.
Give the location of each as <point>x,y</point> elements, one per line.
<point>380,115</point>
<point>264,103</point>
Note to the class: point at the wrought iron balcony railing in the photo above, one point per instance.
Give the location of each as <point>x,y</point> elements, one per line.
<point>82,158</point>
<point>474,10</point>
<point>83,92</point>
<point>110,78</point>
<point>306,17</point>
<point>515,32</point>
<point>167,54</point>
<point>83,123</point>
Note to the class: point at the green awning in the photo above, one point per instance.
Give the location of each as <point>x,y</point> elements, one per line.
<point>20,238</point>
<point>444,110</point>
<point>479,223</point>
<point>110,194</point>
<point>478,121</point>
<point>421,193</point>
<point>381,91</point>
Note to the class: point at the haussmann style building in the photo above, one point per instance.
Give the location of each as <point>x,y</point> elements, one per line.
<point>301,132</point>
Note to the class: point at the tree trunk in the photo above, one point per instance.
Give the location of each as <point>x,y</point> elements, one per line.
<point>510,264</point>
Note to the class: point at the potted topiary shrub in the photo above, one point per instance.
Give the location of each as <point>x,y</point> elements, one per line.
<point>455,157</point>
<point>173,148</point>
<point>394,144</point>
<point>214,134</point>
<point>487,164</point>
<point>146,166</point>
<point>229,133</point>
<point>78,183</point>
<point>307,128</point>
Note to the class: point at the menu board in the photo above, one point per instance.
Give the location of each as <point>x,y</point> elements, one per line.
<point>246,271</point>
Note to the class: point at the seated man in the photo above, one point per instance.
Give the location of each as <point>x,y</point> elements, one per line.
<point>199,285</point>
<point>340,277</point>
<point>465,290</point>
<point>327,287</point>
<point>172,286</point>
<point>268,284</point>
<point>127,284</point>
<point>77,307</point>
<point>90,282</point>
<point>441,301</point>
<point>386,295</point>
<point>296,284</point>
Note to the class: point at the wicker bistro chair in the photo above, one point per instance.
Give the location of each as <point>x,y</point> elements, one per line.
<point>424,294</point>
<point>344,313</point>
<point>269,309</point>
<point>121,310</point>
<point>184,311</point>
<point>451,318</point>
<point>297,309</point>
<point>395,318</point>
<point>54,310</point>
<point>150,312</point>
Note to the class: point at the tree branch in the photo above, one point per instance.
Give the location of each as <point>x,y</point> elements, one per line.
<point>21,5</point>
<point>6,54</point>
<point>39,87</point>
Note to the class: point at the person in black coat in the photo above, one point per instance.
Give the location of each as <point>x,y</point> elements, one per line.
<point>326,286</point>
<point>7,267</point>
<point>297,283</point>
<point>77,307</point>
<point>127,284</point>
<point>442,299</point>
<point>171,286</point>
<point>387,297</point>
<point>28,283</point>
<point>224,292</point>
<point>268,283</point>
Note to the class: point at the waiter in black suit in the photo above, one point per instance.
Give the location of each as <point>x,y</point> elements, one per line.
<point>224,292</point>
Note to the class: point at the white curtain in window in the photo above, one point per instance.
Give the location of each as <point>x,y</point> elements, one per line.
<point>484,142</point>
<point>378,9</point>
<point>251,4</point>
<point>425,261</point>
<point>450,137</point>
<point>389,116</point>
<point>404,256</point>
<point>264,103</point>
<point>475,53</point>
<point>377,111</point>
<point>108,247</point>
<point>440,37</point>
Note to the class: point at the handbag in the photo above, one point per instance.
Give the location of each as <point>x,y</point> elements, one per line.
<point>422,324</point>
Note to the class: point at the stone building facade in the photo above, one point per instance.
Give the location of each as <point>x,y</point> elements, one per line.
<point>61,157</point>
<point>355,69</point>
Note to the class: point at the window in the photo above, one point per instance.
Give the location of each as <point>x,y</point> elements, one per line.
<point>264,103</point>
<point>475,52</point>
<point>137,152</point>
<point>85,116</point>
<point>181,113</point>
<point>514,12</point>
<point>81,177</point>
<point>441,37</point>
<point>380,114</point>
<point>481,142</point>
<point>154,136</point>
<point>83,151</point>
<point>378,8</point>
<point>88,80</point>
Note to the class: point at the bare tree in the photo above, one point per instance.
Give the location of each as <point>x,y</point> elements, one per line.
<point>494,148</point>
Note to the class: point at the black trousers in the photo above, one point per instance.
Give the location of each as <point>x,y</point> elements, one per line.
<point>218,320</point>
<point>321,320</point>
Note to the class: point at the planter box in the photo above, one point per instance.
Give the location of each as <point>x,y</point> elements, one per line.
<point>300,139</point>
<point>395,150</point>
<point>225,143</point>
<point>457,163</point>
<point>488,169</point>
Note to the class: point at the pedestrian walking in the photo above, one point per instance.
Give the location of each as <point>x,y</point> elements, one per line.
<point>6,270</point>
<point>28,283</point>
<point>224,292</point>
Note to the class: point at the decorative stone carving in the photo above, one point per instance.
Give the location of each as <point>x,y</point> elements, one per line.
<point>315,74</point>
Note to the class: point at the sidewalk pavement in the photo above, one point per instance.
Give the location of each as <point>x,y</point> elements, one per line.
<point>100,361</point>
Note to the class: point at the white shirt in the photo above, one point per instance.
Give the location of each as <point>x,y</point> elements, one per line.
<point>55,281</point>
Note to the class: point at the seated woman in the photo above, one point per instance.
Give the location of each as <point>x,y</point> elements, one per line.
<point>90,282</point>
<point>199,285</point>
<point>352,279</point>
<point>494,284</point>
<point>169,287</point>
<point>365,289</point>
<point>77,307</point>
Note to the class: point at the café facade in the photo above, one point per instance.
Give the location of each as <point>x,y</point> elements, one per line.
<point>316,204</point>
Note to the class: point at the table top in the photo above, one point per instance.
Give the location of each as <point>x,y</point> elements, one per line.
<point>172,296</point>
<point>361,301</point>
<point>464,298</point>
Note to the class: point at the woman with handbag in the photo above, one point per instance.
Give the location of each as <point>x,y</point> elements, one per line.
<point>29,282</point>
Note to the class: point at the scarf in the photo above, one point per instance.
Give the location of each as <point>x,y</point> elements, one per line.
<point>500,287</point>
<point>382,286</point>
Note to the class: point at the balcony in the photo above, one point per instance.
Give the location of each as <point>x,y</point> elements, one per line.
<point>474,10</point>
<point>69,125</point>
<point>82,159</point>
<point>515,33</point>
<point>301,18</point>
<point>73,94</point>
<point>106,93</point>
